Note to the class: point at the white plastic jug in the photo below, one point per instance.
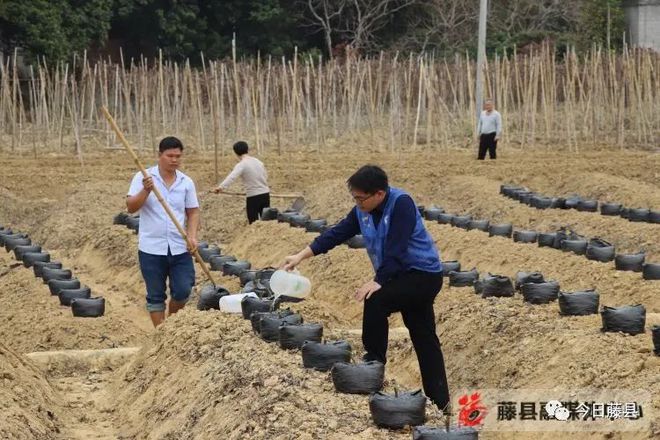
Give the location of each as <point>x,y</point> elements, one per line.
<point>232,303</point>
<point>290,284</point>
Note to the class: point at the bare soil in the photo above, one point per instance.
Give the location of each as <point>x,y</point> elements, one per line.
<point>205,375</point>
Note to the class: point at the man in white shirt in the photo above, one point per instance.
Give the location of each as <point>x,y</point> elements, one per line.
<point>489,129</point>
<point>255,179</point>
<point>162,251</point>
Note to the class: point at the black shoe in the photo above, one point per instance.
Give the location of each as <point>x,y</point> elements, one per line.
<point>367,357</point>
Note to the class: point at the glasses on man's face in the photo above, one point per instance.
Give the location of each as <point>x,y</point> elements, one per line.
<point>362,199</point>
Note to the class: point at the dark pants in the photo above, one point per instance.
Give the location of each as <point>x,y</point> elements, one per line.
<point>412,294</point>
<point>256,204</point>
<point>487,142</point>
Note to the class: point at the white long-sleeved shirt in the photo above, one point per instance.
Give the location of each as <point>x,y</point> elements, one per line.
<point>490,123</point>
<point>253,173</point>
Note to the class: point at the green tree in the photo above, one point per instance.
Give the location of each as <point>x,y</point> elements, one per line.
<point>184,29</point>
<point>593,23</point>
<point>53,28</point>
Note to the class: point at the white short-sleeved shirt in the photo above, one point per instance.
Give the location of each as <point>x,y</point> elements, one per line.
<point>157,231</point>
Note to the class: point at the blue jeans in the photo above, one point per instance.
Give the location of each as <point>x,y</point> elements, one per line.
<point>155,271</point>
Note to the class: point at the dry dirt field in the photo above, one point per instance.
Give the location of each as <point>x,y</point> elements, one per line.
<point>205,375</point>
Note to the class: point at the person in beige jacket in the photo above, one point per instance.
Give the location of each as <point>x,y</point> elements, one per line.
<point>255,180</point>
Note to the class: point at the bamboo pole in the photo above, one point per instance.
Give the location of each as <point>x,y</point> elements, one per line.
<point>156,192</point>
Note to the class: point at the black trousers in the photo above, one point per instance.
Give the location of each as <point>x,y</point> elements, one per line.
<point>412,294</point>
<point>256,204</point>
<point>488,143</point>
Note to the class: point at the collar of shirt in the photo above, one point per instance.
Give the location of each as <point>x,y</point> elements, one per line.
<point>155,172</point>
<point>377,212</point>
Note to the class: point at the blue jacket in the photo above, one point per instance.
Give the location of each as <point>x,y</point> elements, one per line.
<point>403,225</point>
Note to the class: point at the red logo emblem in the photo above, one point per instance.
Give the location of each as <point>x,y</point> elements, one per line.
<point>472,412</point>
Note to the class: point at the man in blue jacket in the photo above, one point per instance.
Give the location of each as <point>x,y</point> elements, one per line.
<point>408,272</point>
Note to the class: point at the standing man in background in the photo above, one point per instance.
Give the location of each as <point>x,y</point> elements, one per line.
<point>162,250</point>
<point>255,180</point>
<point>489,129</point>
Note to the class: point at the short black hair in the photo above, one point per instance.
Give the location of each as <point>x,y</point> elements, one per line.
<point>368,179</point>
<point>240,148</point>
<point>169,143</point>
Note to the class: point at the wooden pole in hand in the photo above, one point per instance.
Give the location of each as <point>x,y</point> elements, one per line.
<point>123,140</point>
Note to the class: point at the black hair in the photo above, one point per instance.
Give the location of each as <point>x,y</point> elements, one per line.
<point>169,143</point>
<point>368,179</point>
<point>240,148</point>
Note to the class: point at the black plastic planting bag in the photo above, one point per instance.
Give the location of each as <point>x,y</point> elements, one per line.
<point>463,279</point>
<point>120,219</point>
<point>250,305</point>
<point>578,303</point>
<point>540,293</point>
<point>655,330</point>
<point>247,276</point>
<point>209,297</point>
<point>651,271</point>
<point>269,326</point>
<point>501,230</point>
<point>600,250</point>
<point>450,266</point>
<point>362,378</point>
<point>461,221</point>
<point>317,225</point>
<point>293,336</point>
<point>268,214</point>
<point>208,252</point>
<point>322,356</point>
<point>48,274</point>
<point>217,261</point>
<point>558,203</point>
<point>299,220</point>
<point>578,247</point>
<point>133,223</point>
<point>541,202</point>
<point>68,295</point>
<point>497,286</point>
<point>19,251</point>
<point>356,242</point>
<point>526,197</point>
<point>429,433</point>
<point>12,242</point>
<point>587,205</point>
<point>630,262</point>
<point>32,257</point>
<point>626,319</point>
<point>480,225</point>
<point>398,410</point>
<point>55,285</point>
<point>255,319</point>
<point>528,277</point>
<point>639,214</point>
<point>284,217</point>
<point>546,239</point>
<point>39,265</point>
<point>525,236</point>
<point>432,213</point>
<point>235,267</point>
<point>654,217</point>
<point>88,307</point>
<point>572,202</point>
<point>445,219</point>
<point>610,208</point>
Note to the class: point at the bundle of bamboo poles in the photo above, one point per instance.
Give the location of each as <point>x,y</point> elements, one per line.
<point>389,102</point>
